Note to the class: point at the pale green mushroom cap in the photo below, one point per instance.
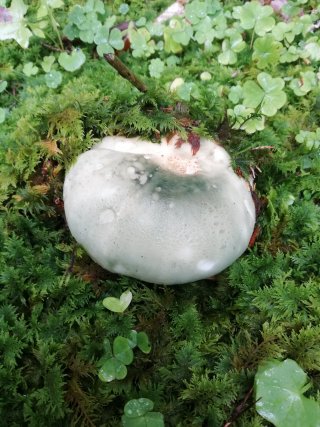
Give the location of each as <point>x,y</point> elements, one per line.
<point>156,212</point>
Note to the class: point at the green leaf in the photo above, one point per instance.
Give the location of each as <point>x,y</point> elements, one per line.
<point>72,62</point>
<point>269,95</point>
<point>104,49</point>
<point>132,340</point>
<point>2,115</point>
<point>14,26</point>
<point>123,8</point>
<point>122,350</point>
<point>118,305</point>
<point>151,419</point>
<point>29,69</point>
<point>266,51</point>
<point>138,407</point>
<point>53,79</point>
<point>310,139</point>
<point>156,68</point>
<point>253,15</point>
<point>3,85</point>
<point>253,94</point>
<point>115,39</point>
<point>235,94</point>
<point>143,342</point>
<point>279,388</point>
<point>304,84</point>
<point>111,370</point>
<point>47,63</point>
<point>246,119</point>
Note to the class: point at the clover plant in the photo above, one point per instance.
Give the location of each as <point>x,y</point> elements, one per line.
<point>138,413</point>
<point>280,389</point>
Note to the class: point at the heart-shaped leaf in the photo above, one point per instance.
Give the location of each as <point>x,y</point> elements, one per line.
<point>53,79</point>
<point>29,69</point>
<point>118,305</point>
<point>138,407</point>
<point>122,350</point>
<point>143,342</point>
<point>72,62</point>
<point>47,63</point>
<point>111,370</point>
<point>279,392</point>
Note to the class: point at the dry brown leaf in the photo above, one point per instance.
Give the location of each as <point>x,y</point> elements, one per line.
<point>51,147</point>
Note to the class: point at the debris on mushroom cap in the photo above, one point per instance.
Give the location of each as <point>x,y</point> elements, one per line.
<point>158,212</point>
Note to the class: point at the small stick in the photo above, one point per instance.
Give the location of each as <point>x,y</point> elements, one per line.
<point>54,48</point>
<point>124,71</point>
<point>242,407</point>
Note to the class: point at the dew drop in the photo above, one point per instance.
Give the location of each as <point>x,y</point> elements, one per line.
<point>129,411</point>
<point>107,216</point>
<point>158,189</point>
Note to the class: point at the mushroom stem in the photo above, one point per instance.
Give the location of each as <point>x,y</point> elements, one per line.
<point>125,72</point>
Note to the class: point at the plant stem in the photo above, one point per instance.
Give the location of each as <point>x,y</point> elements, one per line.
<point>55,26</point>
<point>125,72</point>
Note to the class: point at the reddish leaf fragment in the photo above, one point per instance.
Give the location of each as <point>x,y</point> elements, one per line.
<point>179,143</point>
<point>194,140</point>
<point>254,236</point>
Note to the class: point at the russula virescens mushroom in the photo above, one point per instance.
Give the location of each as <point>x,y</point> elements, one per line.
<point>159,212</point>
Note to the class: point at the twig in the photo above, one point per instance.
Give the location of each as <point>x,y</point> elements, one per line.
<point>54,48</point>
<point>239,409</point>
<point>125,72</point>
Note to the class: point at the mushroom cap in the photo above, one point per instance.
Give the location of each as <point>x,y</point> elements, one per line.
<point>156,212</point>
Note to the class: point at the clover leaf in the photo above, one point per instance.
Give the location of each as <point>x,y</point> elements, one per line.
<point>53,79</point>
<point>13,25</point>
<point>122,350</point>
<point>286,30</point>
<point>289,55</point>
<point>112,369</point>
<point>204,33</point>
<point>235,94</point>
<point>304,84</point>
<point>2,115</point>
<point>73,61</point>
<point>310,139</point>
<point>195,10</point>
<point>311,49</point>
<point>279,390</point>
<point>29,69</point>
<point>230,48</point>
<point>47,63</point>
<point>156,68</point>
<point>253,15</point>
<point>118,305</point>
<point>137,413</point>
<point>266,51</point>
<point>268,94</point>
<point>245,119</point>
<point>141,42</point>
<point>3,85</point>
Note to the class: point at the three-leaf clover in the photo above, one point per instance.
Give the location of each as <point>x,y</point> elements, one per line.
<point>73,61</point>
<point>230,48</point>
<point>310,139</point>
<point>266,51</point>
<point>280,388</point>
<point>245,119</point>
<point>114,367</point>
<point>304,84</point>
<point>268,94</point>
<point>253,15</point>
<point>29,69</point>
<point>137,413</point>
<point>156,68</point>
<point>141,42</point>
<point>47,63</point>
<point>108,40</point>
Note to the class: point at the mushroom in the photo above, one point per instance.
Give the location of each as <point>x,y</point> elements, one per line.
<point>159,212</point>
